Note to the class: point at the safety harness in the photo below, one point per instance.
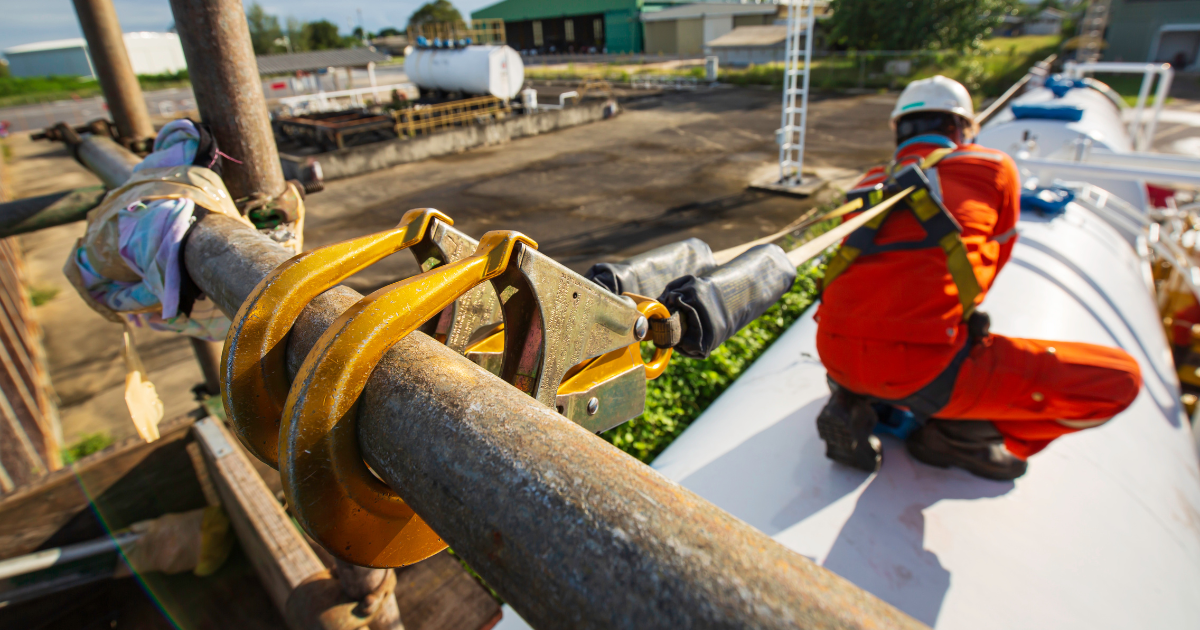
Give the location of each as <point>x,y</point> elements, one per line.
<point>941,229</point>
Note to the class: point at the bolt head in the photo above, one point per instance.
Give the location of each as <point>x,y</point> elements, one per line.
<point>641,328</point>
<point>593,406</point>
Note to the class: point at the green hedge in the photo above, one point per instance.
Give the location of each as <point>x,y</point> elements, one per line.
<point>675,399</point>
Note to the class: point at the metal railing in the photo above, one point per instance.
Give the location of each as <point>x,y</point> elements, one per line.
<point>425,119</point>
<point>1140,129</point>
<point>480,31</point>
<point>341,99</point>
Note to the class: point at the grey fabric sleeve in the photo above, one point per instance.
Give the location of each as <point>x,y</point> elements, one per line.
<point>648,273</point>
<point>716,305</point>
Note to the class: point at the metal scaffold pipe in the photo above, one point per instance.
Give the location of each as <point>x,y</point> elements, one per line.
<point>569,530</point>
<point>38,213</point>
<point>106,159</point>
<point>106,46</point>
<point>229,93</point>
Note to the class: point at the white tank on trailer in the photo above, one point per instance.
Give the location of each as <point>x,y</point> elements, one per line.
<point>482,70</point>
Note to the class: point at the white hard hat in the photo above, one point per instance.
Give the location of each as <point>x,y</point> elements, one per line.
<point>935,94</point>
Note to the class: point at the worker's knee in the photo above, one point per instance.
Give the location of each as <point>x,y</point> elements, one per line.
<point>1113,380</point>
<point>1125,381</point>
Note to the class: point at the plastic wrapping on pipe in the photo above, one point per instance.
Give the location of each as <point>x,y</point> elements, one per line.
<point>649,273</point>
<point>719,303</point>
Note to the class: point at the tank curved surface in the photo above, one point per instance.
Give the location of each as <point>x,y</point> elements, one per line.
<point>480,70</point>
<point>1102,532</point>
<point>1101,129</point>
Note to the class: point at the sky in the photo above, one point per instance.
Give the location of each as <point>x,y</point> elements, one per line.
<point>28,21</point>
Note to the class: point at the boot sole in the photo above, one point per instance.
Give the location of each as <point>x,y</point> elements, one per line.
<point>845,446</point>
<point>941,460</point>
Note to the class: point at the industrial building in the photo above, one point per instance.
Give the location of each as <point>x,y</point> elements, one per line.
<point>149,53</point>
<point>1155,30</point>
<point>548,26</point>
<point>688,29</point>
<point>751,45</point>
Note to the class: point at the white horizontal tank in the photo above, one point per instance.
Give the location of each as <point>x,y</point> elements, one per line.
<point>482,70</point>
<point>1101,125</point>
<point>1101,129</point>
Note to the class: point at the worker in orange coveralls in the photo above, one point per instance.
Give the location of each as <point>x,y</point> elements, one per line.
<point>897,325</point>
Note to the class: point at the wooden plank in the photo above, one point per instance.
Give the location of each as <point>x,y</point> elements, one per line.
<point>280,555</point>
<point>438,594</point>
<point>129,481</point>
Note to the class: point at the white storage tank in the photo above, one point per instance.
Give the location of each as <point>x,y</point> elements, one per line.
<point>1101,125</point>
<point>494,70</point>
<point>1101,129</point>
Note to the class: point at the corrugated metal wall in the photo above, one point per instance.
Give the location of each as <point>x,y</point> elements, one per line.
<point>64,62</point>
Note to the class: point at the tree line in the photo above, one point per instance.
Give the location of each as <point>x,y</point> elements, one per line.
<point>270,35</point>
<point>923,24</point>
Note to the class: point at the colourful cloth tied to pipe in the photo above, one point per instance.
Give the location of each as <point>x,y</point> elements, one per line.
<point>150,239</point>
<point>128,268</point>
<point>175,145</point>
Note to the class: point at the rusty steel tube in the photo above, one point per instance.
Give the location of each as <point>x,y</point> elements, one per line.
<point>106,45</point>
<point>106,159</point>
<point>38,213</point>
<point>229,93</point>
<point>570,531</point>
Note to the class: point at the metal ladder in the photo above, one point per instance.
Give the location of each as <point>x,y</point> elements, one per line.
<point>791,135</point>
<point>1091,31</point>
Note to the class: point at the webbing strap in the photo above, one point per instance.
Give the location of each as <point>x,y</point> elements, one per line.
<point>840,261</point>
<point>941,230</point>
<point>928,162</point>
<point>961,271</point>
<point>934,157</point>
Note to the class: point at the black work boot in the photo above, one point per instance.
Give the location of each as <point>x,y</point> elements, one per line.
<point>845,424</point>
<point>976,446</point>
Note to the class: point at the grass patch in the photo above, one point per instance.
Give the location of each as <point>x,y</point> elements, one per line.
<point>30,90</point>
<point>1128,86</point>
<point>86,445</point>
<point>1023,45</point>
<point>987,72</point>
<point>39,296</point>
<point>491,591</point>
<point>675,399</point>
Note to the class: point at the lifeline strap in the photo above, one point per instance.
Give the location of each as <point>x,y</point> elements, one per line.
<point>941,230</point>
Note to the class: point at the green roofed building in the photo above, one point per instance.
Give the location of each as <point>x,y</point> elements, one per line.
<point>548,26</point>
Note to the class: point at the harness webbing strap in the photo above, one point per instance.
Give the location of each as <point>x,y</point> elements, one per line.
<point>961,271</point>
<point>941,230</point>
<point>934,157</point>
